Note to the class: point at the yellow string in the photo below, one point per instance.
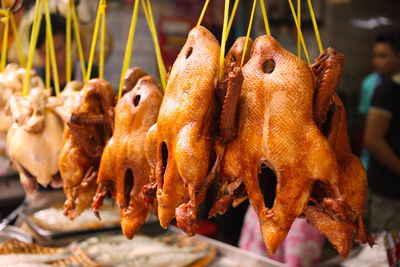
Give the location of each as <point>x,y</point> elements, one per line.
<point>223,39</point>
<point>78,41</point>
<point>298,35</point>
<point>47,78</point>
<point>314,21</point>
<point>203,12</point>
<point>299,31</point>
<point>230,22</point>
<point>34,35</point>
<point>6,21</point>
<point>248,31</point>
<point>150,21</point>
<point>20,52</point>
<point>49,33</point>
<point>94,39</point>
<point>265,17</point>
<point>129,47</point>
<point>102,41</point>
<point>68,63</point>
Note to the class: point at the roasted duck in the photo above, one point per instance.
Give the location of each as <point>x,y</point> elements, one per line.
<point>89,128</point>
<point>277,137</point>
<point>181,145</point>
<point>338,219</point>
<point>34,139</point>
<point>124,169</point>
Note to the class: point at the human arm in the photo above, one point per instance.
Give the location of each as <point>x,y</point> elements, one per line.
<point>378,122</point>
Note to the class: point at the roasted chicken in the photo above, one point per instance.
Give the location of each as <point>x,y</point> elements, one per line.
<point>34,139</point>
<point>124,169</point>
<point>338,219</point>
<point>89,128</point>
<point>181,145</point>
<point>277,132</point>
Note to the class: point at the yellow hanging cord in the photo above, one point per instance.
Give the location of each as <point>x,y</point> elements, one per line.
<point>298,35</point>
<point>299,31</point>
<point>265,17</point>
<point>314,21</point>
<point>203,12</point>
<point>230,22</point>
<point>150,21</point>
<point>94,40</point>
<point>49,34</point>
<point>6,21</point>
<point>68,63</point>
<point>78,41</point>
<point>21,56</point>
<point>129,47</point>
<point>102,41</point>
<point>248,31</point>
<point>34,35</point>
<point>223,39</point>
<point>48,65</point>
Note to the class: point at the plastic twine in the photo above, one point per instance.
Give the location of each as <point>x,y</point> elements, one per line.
<point>129,47</point>
<point>265,17</point>
<point>314,22</point>
<point>248,31</point>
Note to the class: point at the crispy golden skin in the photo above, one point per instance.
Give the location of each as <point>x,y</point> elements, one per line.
<point>89,128</point>
<point>340,220</point>
<point>277,130</point>
<point>182,141</point>
<point>124,169</point>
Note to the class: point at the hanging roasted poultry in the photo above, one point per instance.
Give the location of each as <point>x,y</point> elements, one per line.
<point>34,140</point>
<point>124,169</point>
<point>229,89</point>
<point>340,220</point>
<point>89,128</point>
<point>181,145</point>
<point>278,143</point>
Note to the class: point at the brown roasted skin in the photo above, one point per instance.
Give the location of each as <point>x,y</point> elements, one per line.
<point>277,130</point>
<point>124,169</point>
<point>181,143</point>
<point>229,89</point>
<point>89,128</point>
<point>340,227</point>
<point>327,69</point>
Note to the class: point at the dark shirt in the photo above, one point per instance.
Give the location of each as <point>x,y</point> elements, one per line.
<point>382,180</point>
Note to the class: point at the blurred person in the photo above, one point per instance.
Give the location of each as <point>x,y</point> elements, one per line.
<point>58,25</point>
<point>301,247</point>
<point>382,137</point>
<point>372,81</point>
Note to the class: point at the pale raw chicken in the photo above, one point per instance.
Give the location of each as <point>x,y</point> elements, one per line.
<point>277,131</point>
<point>181,144</point>
<point>34,140</point>
<point>11,81</point>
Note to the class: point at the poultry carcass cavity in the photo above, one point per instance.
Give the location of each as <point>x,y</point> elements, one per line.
<point>181,145</point>
<point>124,169</point>
<point>278,143</point>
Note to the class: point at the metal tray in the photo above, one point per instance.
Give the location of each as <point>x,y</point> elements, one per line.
<point>230,256</point>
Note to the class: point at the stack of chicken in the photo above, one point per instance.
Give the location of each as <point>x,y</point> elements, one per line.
<point>274,130</point>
